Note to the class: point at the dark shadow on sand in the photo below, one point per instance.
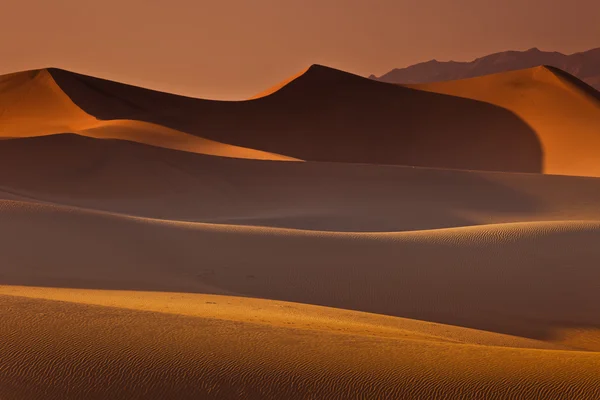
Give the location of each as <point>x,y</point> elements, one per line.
<point>330,115</point>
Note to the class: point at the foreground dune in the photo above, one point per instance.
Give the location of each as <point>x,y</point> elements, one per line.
<point>120,351</point>
<point>321,115</point>
<point>536,120</point>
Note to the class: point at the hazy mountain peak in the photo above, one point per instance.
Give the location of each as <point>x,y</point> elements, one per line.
<point>583,65</point>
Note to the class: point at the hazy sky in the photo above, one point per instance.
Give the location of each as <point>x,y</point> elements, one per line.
<point>231,49</point>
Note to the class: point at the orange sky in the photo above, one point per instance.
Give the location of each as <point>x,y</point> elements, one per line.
<point>231,49</point>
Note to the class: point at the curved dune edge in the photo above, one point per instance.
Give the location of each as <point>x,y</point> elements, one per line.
<point>534,120</point>
<point>160,136</point>
<point>119,353</point>
<point>332,116</point>
<point>511,231</point>
<point>563,113</point>
<point>135,179</point>
<point>280,85</point>
<point>277,314</point>
<point>34,105</point>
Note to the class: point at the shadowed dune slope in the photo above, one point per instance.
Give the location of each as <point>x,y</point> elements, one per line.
<point>125,177</point>
<point>563,111</point>
<point>329,115</point>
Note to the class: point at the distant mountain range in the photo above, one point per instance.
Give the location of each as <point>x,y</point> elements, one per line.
<point>584,65</point>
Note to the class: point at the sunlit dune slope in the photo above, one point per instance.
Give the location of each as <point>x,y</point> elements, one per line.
<point>278,314</point>
<point>160,136</point>
<point>126,177</point>
<point>563,111</point>
<point>280,85</point>
<point>186,352</point>
<point>32,104</point>
<point>329,115</point>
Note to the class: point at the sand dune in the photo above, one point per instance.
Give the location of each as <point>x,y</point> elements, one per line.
<point>279,314</point>
<point>186,352</point>
<point>329,115</point>
<point>538,120</point>
<point>119,353</point>
<point>564,112</point>
<point>153,246</point>
<point>125,177</point>
<point>160,136</point>
<point>32,104</point>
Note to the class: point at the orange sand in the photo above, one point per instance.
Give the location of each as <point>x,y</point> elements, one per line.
<point>564,112</point>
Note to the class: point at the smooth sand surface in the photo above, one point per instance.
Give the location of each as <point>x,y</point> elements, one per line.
<point>128,178</point>
<point>141,259</point>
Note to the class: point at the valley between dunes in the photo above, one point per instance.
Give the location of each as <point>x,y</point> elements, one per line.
<point>334,237</point>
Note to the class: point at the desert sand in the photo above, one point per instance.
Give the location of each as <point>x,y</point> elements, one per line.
<point>157,246</point>
<point>552,103</point>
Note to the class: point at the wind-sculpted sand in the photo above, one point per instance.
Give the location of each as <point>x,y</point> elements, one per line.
<point>76,350</point>
<point>146,256</point>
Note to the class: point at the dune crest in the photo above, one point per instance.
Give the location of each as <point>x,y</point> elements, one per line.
<point>280,85</point>
<point>32,104</point>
